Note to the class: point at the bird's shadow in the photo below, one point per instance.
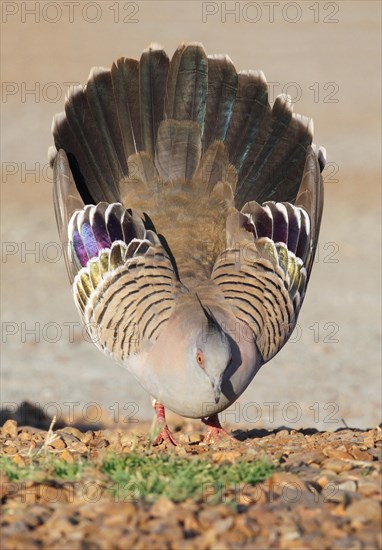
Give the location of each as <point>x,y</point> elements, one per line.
<point>244,435</point>
<point>32,415</point>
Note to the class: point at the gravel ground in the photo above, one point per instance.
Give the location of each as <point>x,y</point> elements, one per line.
<point>324,493</point>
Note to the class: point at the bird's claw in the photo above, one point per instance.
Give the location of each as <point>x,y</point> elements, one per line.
<point>165,436</point>
<point>215,431</point>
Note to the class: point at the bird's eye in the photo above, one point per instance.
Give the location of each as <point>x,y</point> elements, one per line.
<point>200,359</point>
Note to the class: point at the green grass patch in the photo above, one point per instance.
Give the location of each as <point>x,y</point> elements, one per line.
<point>150,476</point>
<point>42,468</point>
<point>145,476</point>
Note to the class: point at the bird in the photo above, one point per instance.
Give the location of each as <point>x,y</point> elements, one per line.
<point>189,209</point>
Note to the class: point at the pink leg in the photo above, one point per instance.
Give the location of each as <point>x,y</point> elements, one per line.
<point>165,436</point>
<point>215,430</point>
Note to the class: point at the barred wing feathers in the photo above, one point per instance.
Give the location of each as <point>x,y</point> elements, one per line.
<point>124,281</point>
<point>125,295</point>
<point>264,272</point>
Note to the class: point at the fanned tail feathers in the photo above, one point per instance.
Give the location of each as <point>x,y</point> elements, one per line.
<point>196,132</point>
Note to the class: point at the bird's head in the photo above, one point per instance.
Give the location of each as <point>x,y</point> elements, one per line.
<point>198,363</point>
<point>209,351</point>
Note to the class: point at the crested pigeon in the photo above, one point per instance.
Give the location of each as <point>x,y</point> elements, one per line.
<point>190,211</point>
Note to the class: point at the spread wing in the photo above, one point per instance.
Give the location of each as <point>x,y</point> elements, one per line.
<point>124,281</point>
<point>264,272</point>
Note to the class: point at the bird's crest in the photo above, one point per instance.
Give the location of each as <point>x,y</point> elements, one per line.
<point>213,325</point>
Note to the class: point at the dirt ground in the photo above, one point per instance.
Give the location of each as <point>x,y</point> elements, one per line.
<point>324,492</point>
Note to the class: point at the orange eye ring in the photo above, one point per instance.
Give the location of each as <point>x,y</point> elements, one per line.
<point>200,359</point>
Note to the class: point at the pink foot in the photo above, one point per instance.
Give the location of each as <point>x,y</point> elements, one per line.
<point>215,431</point>
<point>165,436</point>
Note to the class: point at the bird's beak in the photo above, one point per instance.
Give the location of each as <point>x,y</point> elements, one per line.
<point>217,387</point>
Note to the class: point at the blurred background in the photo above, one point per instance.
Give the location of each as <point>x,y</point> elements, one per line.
<point>327,57</point>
